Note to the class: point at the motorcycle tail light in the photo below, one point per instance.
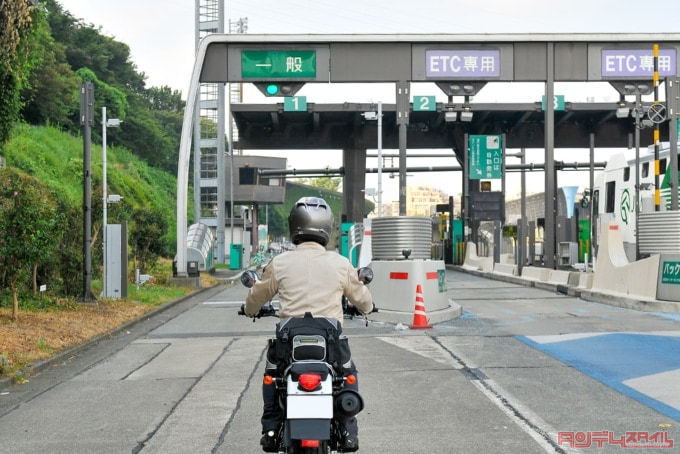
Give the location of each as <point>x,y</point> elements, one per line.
<point>310,443</point>
<point>309,381</point>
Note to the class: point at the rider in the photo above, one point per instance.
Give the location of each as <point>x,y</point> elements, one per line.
<point>308,279</point>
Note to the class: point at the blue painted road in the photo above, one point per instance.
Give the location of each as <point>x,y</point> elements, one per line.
<point>643,366</point>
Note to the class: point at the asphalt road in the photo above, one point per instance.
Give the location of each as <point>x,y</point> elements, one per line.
<point>522,370</point>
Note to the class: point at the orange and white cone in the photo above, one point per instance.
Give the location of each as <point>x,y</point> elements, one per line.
<point>419,316</point>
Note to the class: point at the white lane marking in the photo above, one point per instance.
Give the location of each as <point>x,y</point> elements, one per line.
<point>529,422</point>
<point>224,303</point>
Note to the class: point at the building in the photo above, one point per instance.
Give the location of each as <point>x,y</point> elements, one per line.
<point>420,201</point>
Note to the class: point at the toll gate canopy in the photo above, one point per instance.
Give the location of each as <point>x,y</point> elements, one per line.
<point>460,65</point>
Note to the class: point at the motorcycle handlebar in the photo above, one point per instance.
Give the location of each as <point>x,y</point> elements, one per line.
<point>268,310</point>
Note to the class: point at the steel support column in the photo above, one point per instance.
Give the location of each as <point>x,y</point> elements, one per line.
<point>354,182</point>
<point>550,233</point>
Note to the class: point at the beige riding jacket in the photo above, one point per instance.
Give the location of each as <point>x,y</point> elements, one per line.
<point>309,279</point>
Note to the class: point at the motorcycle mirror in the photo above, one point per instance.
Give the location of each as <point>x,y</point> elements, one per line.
<point>365,274</point>
<point>248,278</point>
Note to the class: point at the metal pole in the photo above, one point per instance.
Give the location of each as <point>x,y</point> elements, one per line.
<point>380,159</point>
<point>638,115</point>
<point>87,119</point>
<point>657,191</point>
<point>672,95</point>
<point>222,116</point>
<point>523,215</point>
<point>591,182</point>
<point>402,121</point>
<point>550,233</point>
<point>466,187</point>
<point>104,204</point>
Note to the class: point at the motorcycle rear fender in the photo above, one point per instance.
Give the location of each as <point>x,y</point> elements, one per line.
<point>309,404</point>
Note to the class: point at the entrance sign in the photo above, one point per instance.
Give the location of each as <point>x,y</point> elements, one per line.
<point>462,64</point>
<point>637,63</point>
<point>486,157</point>
<point>278,64</point>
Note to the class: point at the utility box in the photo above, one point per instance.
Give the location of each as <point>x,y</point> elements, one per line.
<point>568,252</point>
<point>192,269</point>
<point>235,256</point>
<point>117,261</point>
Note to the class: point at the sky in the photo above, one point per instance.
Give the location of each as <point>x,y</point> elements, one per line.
<point>161,35</point>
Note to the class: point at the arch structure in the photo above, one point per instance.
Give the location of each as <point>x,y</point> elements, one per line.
<point>460,65</point>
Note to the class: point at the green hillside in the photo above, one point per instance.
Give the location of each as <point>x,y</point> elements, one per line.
<point>56,159</point>
<point>278,214</point>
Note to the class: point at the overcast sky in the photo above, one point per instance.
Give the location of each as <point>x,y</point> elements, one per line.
<point>161,37</point>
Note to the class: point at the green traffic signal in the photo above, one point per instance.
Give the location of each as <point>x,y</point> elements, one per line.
<point>286,88</point>
<point>272,89</point>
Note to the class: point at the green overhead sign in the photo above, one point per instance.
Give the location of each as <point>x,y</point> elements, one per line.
<point>278,64</point>
<point>486,157</point>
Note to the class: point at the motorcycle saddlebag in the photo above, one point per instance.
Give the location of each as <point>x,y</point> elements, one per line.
<point>308,338</point>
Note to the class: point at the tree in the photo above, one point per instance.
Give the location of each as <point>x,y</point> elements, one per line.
<point>329,183</point>
<point>52,87</point>
<point>148,226</point>
<point>29,228</point>
<point>15,40</point>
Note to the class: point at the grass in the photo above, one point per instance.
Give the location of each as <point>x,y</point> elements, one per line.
<point>48,325</point>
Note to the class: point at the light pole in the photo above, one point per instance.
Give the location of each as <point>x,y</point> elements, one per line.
<point>110,123</point>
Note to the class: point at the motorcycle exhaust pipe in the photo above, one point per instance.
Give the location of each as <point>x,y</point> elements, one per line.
<point>347,404</point>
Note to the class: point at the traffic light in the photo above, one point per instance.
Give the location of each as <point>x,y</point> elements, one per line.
<point>270,89</point>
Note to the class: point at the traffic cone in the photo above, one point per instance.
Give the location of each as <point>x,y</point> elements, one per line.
<point>419,317</point>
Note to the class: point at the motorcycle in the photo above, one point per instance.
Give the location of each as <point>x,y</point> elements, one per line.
<point>311,389</point>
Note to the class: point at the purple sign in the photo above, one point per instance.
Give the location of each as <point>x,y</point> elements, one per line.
<point>462,63</point>
<point>637,63</point>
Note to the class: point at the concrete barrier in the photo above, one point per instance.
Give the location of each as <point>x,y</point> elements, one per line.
<point>535,273</point>
<point>505,268</point>
<point>473,262</point>
<point>585,280</point>
<point>558,277</point>
<point>615,274</point>
<point>394,290</point>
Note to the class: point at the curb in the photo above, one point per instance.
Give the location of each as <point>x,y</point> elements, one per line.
<point>75,350</point>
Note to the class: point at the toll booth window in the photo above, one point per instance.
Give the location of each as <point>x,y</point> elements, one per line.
<point>645,170</point>
<point>610,197</point>
<point>626,174</point>
<point>247,175</point>
<point>662,166</point>
<point>596,202</point>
